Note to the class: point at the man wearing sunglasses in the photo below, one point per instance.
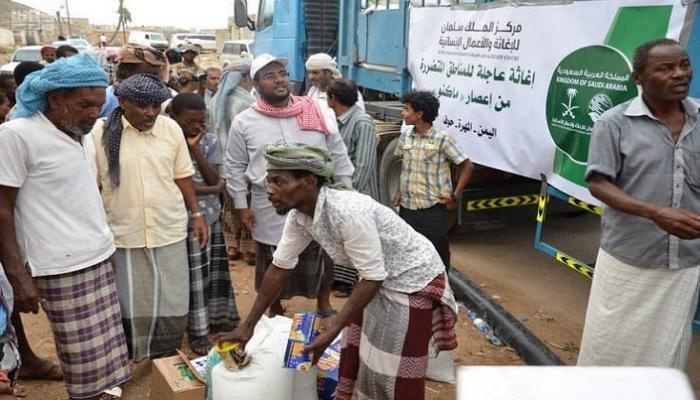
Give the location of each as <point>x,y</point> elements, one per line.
<point>278,117</point>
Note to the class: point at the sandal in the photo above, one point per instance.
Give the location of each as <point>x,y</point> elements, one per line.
<point>46,370</point>
<point>114,393</point>
<point>342,293</point>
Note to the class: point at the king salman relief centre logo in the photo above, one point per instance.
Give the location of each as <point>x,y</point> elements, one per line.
<point>594,79</point>
<point>587,83</point>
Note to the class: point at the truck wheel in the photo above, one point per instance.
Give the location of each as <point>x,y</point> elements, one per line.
<point>389,173</point>
<point>198,48</point>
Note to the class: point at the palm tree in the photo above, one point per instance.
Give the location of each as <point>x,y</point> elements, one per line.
<point>124,19</point>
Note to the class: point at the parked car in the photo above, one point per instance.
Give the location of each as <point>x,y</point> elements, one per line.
<point>81,45</point>
<point>26,53</point>
<point>202,42</point>
<point>153,39</point>
<point>235,50</point>
<point>178,39</point>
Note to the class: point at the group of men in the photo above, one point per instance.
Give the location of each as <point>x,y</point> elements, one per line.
<point>111,218</point>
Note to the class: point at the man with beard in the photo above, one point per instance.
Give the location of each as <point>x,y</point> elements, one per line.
<point>48,55</point>
<point>643,164</point>
<point>322,69</point>
<point>402,300</point>
<point>278,118</point>
<point>145,172</point>
<point>55,243</point>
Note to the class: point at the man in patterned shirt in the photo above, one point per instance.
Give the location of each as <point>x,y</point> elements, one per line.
<point>403,297</point>
<point>425,190</point>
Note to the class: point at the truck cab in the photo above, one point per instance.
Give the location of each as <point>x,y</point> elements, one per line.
<point>292,29</point>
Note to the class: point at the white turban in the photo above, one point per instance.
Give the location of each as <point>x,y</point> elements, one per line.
<point>321,61</point>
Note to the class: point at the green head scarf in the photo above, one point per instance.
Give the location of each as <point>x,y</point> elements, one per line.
<point>300,157</point>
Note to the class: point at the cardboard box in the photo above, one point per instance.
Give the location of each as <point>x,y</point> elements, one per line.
<point>329,371</point>
<point>305,328</point>
<point>173,380</point>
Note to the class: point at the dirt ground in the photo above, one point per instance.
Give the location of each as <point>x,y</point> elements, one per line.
<point>474,349</point>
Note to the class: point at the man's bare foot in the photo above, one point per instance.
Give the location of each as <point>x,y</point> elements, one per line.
<point>233,253</point>
<point>40,368</point>
<point>250,258</point>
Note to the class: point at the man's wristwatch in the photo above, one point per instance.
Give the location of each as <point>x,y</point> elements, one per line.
<point>197,214</point>
<point>454,196</point>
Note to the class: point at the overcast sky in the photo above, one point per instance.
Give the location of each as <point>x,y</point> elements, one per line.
<point>199,14</point>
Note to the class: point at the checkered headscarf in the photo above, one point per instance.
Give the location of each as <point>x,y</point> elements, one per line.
<point>139,89</point>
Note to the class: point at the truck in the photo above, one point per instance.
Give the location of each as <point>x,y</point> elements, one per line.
<point>372,40</point>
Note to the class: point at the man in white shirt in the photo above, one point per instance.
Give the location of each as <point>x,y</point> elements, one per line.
<point>55,243</point>
<point>278,118</point>
<point>403,291</point>
<point>321,69</point>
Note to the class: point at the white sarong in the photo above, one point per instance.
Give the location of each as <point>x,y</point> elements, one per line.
<point>639,316</point>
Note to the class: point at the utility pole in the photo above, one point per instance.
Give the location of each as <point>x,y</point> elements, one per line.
<point>70,32</point>
<point>60,24</point>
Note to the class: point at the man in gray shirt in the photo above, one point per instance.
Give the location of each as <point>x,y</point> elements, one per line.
<point>279,118</point>
<point>357,130</point>
<point>643,164</point>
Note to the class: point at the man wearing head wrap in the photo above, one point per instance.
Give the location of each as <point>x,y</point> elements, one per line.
<point>189,55</point>
<point>277,118</point>
<point>48,55</point>
<point>402,299</point>
<point>132,60</point>
<point>321,69</point>
<point>145,172</point>
<point>52,220</point>
<point>231,98</point>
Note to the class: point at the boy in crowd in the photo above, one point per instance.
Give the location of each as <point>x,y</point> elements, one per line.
<point>425,190</point>
<point>212,305</point>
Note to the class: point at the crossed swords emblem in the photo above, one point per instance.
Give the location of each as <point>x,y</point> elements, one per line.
<point>569,108</point>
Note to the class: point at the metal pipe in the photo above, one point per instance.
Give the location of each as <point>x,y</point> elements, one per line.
<point>378,68</point>
<point>506,326</point>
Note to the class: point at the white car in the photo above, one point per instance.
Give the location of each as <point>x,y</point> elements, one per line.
<point>178,40</point>
<point>235,50</point>
<point>81,45</point>
<point>152,39</point>
<point>27,53</point>
<point>202,42</point>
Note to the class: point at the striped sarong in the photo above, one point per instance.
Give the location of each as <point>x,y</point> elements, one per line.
<point>311,275</point>
<point>639,317</point>
<point>212,305</point>
<point>83,311</point>
<point>153,287</point>
<point>235,235</point>
<point>384,350</point>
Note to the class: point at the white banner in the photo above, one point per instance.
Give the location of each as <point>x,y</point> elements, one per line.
<point>520,87</point>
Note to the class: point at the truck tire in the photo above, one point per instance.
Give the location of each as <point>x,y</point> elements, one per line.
<point>198,48</point>
<point>389,173</point>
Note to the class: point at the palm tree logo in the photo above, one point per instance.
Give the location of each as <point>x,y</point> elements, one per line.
<point>569,108</point>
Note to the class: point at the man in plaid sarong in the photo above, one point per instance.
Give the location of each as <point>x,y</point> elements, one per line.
<point>55,243</point>
<point>403,297</point>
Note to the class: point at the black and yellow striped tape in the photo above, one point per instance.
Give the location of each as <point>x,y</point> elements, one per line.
<point>502,202</point>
